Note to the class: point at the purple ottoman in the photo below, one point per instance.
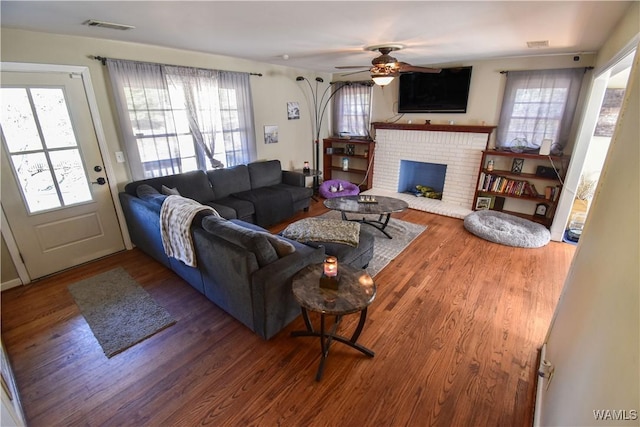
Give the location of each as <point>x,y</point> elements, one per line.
<point>347,189</point>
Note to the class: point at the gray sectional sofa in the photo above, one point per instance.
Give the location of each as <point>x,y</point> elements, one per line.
<point>241,267</point>
<point>232,269</point>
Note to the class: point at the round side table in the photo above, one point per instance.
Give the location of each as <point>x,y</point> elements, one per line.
<point>356,291</point>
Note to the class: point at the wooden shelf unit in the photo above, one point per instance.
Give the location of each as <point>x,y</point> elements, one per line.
<point>359,163</point>
<point>502,168</point>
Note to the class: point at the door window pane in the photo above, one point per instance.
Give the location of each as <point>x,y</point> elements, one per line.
<point>53,117</point>
<point>18,125</point>
<point>36,181</point>
<point>69,173</point>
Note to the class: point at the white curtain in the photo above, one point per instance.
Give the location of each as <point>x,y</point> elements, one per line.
<point>537,105</point>
<point>175,119</point>
<point>199,89</point>
<point>352,109</point>
<point>238,122</point>
<point>141,87</point>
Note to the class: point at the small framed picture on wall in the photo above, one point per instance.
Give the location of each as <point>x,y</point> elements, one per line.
<point>293,111</point>
<point>270,134</point>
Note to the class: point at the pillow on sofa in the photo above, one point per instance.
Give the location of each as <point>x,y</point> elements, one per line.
<point>251,240</point>
<point>150,194</point>
<point>282,247</point>
<point>170,191</point>
<point>324,230</point>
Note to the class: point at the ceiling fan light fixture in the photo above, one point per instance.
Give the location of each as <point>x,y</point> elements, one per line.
<point>382,80</point>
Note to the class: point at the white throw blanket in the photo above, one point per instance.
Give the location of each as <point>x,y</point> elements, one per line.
<point>176,215</point>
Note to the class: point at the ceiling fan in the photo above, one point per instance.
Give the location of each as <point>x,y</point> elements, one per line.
<point>385,67</point>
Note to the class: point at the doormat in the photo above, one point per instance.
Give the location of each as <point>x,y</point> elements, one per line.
<point>118,310</point>
<point>386,250</point>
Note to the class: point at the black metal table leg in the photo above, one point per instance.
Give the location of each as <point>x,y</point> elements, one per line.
<point>326,338</point>
<point>378,224</point>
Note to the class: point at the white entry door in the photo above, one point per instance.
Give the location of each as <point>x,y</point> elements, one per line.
<point>54,193</point>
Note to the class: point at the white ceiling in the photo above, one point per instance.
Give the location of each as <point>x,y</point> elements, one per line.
<point>319,35</point>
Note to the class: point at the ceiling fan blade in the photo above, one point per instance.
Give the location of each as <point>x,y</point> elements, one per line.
<point>355,72</point>
<point>347,67</point>
<point>408,68</point>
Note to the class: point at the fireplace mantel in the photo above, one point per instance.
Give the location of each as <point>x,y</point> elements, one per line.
<point>435,128</point>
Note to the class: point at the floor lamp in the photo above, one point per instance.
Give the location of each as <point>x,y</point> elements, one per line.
<point>319,109</point>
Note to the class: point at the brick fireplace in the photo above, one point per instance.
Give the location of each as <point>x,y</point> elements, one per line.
<point>457,147</point>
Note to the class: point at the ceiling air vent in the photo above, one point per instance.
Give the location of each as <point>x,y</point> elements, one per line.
<point>110,25</point>
<point>538,44</point>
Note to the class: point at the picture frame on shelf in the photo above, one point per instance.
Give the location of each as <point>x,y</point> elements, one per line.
<point>516,166</point>
<point>483,203</point>
<point>541,210</point>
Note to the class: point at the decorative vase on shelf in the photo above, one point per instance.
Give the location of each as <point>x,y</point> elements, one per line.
<point>518,145</point>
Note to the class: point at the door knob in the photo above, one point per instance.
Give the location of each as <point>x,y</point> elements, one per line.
<point>97,168</point>
<point>100,181</point>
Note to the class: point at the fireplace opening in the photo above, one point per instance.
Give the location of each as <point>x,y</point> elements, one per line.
<point>422,179</point>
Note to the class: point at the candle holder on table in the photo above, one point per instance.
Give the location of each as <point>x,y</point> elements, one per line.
<point>330,277</point>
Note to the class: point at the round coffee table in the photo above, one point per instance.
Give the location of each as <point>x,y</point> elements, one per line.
<point>377,205</point>
<point>355,292</point>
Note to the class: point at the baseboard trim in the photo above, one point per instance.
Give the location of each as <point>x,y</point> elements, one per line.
<point>10,284</point>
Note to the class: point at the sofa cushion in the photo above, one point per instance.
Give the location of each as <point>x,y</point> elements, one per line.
<point>297,193</point>
<point>229,180</point>
<point>324,230</point>
<point>243,208</point>
<point>224,211</point>
<point>282,245</point>
<point>251,240</point>
<point>150,194</point>
<point>264,174</point>
<point>272,205</point>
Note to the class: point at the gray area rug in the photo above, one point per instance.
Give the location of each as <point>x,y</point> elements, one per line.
<point>385,250</point>
<point>509,230</point>
<point>118,310</point>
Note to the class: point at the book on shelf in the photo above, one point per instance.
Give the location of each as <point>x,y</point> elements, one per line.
<point>552,193</point>
<point>497,203</point>
<point>501,184</point>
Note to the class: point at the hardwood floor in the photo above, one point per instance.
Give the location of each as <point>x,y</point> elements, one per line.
<point>456,326</point>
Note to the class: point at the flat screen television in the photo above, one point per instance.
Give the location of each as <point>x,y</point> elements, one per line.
<point>444,92</point>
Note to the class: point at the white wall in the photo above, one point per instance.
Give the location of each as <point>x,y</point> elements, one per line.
<point>594,339</point>
<point>593,342</point>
